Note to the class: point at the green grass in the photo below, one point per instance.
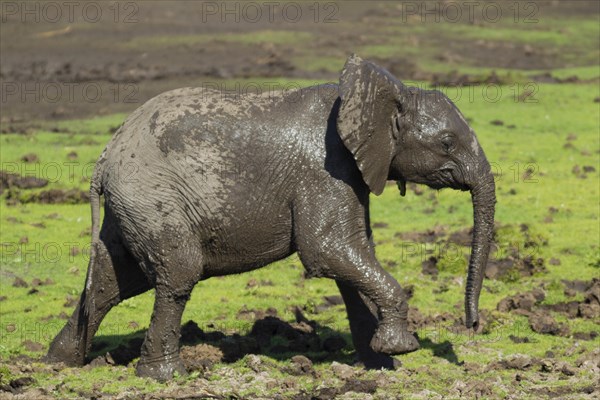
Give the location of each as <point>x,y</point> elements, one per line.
<point>541,129</point>
<point>257,37</point>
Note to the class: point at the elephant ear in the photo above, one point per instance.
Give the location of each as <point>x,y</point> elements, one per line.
<point>368,102</point>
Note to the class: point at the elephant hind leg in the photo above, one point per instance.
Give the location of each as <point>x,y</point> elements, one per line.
<point>362,315</point>
<point>115,276</point>
<point>177,272</point>
<point>160,350</point>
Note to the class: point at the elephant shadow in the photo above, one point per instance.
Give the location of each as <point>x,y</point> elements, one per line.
<point>269,336</point>
<point>443,350</point>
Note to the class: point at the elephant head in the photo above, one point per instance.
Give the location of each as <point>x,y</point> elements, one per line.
<point>406,134</point>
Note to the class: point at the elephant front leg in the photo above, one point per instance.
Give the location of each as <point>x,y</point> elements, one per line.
<point>359,271</point>
<point>160,350</point>
<point>332,239</point>
<point>362,315</point>
<point>391,335</point>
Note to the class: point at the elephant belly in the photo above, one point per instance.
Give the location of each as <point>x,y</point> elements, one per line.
<point>247,245</point>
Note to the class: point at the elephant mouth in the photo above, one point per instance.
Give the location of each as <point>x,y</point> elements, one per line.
<point>448,175</point>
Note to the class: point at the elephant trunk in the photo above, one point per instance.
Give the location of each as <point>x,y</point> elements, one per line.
<point>484,199</point>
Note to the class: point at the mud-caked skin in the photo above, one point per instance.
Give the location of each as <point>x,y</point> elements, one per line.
<point>198,183</point>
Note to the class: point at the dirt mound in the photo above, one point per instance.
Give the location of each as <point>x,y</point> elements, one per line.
<point>577,286</point>
<point>455,78</point>
<point>588,308</point>
<point>253,314</point>
<point>301,365</point>
<point>528,304</point>
<point>462,237</point>
<point>428,236</point>
<point>9,180</point>
<point>52,196</point>
<point>358,386</point>
<point>417,320</point>
<point>514,259</point>
<point>547,77</point>
<point>522,301</point>
<point>15,183</point>
<point>543,323</point>
<point>429,266</point>
<point>454,324</point>
<point>201,357</point>
<point>269,334</point>
<point>540,319</point>
<point>18,385</point>
<point>192,334</point>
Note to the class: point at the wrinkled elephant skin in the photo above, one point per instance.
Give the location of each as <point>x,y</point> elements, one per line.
<point>200,184</point>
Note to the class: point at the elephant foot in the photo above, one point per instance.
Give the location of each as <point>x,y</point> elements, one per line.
<point>71,360</point>
<point>65,350</point>
<point>392,339</point>
<point>379,361</point>
<point>161,371</point>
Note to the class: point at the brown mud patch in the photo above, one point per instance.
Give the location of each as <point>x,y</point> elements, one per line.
<point>539,315</point>
<point>429,236</point>
<point>510,262</point>
<point>253,314</point>
<point>52,196</point>
<point>200,357</point>
<point>588,308</point>
<point>359,386</point>
<point>18,385</point>
<point>9,180</point>
<point>17,191</point>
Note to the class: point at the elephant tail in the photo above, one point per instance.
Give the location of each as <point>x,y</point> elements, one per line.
<point>95,193</point>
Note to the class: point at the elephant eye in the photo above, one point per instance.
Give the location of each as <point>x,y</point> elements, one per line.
<point>448,143</point>
<point>398,127</point>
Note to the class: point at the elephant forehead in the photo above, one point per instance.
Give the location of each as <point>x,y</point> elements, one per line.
<point>439,111</point>
<point>430,124</point>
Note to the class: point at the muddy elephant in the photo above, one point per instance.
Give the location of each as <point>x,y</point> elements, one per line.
<point>227,184</point>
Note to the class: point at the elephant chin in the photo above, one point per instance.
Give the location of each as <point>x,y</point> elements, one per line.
<point>484,199</point>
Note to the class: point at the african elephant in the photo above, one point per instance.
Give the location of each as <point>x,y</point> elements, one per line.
<point>228,184</point>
